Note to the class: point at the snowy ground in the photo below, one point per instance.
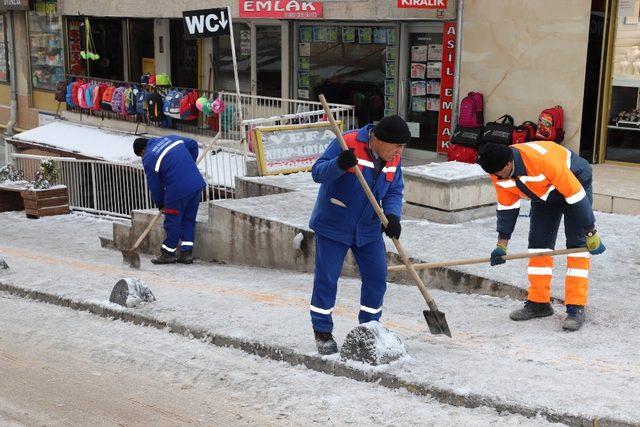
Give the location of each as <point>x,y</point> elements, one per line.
<point>61,367</point>
<point>593,373</point>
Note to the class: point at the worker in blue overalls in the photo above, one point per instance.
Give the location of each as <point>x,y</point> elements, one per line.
<point>176,187</point>
<point>344,219</point>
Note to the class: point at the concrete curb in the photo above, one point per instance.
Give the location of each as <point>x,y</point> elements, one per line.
<point>313,362</point>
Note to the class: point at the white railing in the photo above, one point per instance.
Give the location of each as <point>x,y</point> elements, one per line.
<point>277,111</point>
<point>116,189</point>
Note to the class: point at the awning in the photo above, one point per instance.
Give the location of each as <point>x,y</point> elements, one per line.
<point>14,5</point>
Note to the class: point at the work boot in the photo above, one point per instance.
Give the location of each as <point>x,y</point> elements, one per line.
<point>185,257</point>
<point>165,257</point>
<point>325,343</point>
<point>531,310</point>
<point>575,318</point>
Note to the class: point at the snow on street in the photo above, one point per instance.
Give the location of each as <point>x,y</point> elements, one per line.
<point>60,367</point>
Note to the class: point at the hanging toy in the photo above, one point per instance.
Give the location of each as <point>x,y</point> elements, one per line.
<point>91,46</point>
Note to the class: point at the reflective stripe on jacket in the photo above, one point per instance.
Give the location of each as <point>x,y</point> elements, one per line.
<point>545,172</point>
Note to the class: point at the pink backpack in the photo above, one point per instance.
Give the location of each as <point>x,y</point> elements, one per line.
<point>82,95</point>
<point>471,110</point>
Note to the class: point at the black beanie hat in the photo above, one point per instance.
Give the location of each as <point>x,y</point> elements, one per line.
<point>494,157</point>
<point>392,130</point>
<point>140,144</point>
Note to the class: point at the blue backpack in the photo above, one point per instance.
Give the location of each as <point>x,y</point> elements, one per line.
<point>171,104</point>
<point>67,95</point>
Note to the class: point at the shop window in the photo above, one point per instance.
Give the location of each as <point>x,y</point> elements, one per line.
<point>107,39</point>
<point>623,128</point>
<point>141,51</point>
<point>269,60</point>
<point>348,65</point>
<point>45,43</point>
<point>4,58</point>
<point>223,60</point>
<point>75,31</point>
<point>184,57</point>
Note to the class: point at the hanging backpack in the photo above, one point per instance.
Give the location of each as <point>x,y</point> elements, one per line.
<point>107,96</point>
<point>500,131</point>
<point>88,94</point>
<point>68,95</point>
<point>460,153</point>
<point>551,125</point>
<point>97,96</point>
<point>188,110</point>
<point>131,104</point>
<point>154,107</point>
<point>141,103</point>
<point>74,92</point>
<point>116,100</point>
<point>82,95</point>
<point>171,103</point>
<point>61,91</point>
<point>163,79</point>
<point>471,113</point>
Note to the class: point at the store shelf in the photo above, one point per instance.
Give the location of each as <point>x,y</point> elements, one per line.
<point>623,128</point>
<point>626,82</point>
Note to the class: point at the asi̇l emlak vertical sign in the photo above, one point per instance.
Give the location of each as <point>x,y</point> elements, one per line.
<point>206,23</point>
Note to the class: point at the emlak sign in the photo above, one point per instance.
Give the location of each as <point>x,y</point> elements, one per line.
<point>280,9</point>
<point>422,4</point>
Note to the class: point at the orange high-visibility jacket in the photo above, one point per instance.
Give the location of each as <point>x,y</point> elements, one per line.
<point>544,172</point>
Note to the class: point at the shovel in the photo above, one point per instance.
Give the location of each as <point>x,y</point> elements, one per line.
<point>469,261</point>
<point>131,256</point>
<point>435,319</point>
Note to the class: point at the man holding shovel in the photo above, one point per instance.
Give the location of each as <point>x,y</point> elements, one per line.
<point>558,182</point>
<point>344,219</point>
<point>176,186</point>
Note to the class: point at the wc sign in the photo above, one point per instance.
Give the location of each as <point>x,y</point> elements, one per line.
<point>206,23</point>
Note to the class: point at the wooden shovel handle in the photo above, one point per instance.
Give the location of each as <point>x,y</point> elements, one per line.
<point>336,129</point>
<point>207,148</point>
<point>146,231</point>
<point>469,261</point>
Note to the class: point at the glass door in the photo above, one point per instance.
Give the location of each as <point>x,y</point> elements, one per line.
<point>268,60</point>
<point>420,73</point>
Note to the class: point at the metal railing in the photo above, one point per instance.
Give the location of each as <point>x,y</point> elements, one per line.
<point>116,189</point>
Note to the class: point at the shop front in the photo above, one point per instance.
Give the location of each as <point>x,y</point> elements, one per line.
<point>620,122</point>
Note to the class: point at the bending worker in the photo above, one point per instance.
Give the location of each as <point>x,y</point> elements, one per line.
<point>176,187</point>
<point>344,219</point>
<point>558,182</point>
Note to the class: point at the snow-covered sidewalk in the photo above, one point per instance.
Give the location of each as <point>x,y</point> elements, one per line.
<point>594,373</point>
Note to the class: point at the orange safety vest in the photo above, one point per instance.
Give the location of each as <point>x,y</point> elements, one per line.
<point>361,150</point>
<point>548,167</point>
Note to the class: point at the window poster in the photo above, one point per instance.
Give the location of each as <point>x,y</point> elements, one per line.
<point>319,34</point>
<point>389,112</point>
<point>348,34</point>
<point>419,88</point>
<point>434,70</point>
<point>306,34</point>
<point>303,93</point>
<point>365,35</point>
<point>390,70</point>
<point>331,34</point>
<point>435,51</point>
<point>391,53</point>
<point>433,87</point>
<point>418,71</point>
<point>303,79</point>
<point>304,49</point>
<point>419,53</point>
<point>433,104</point>
<point>380,35</point>
<point>305,63</point>
<point>391,36</point>
<point>389,87</point>
<point>389,102</point>
<point>418,104</point>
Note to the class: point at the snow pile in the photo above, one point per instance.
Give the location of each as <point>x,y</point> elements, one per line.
<point>3,263</point>
<point>372,343</point>
<point>130,292</point>
<point>297,241</point>
<point>448,171</point>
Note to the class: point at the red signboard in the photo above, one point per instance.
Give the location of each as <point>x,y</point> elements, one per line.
<point>280,9</point>
<point>422,4</point>
<point>446,85</point>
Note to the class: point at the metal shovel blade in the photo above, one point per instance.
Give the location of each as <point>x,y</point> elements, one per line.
<point>131,257</point>
<point>437,322</point>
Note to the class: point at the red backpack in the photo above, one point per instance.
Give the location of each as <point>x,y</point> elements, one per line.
<point>74,92</point>
<point>524,133</point>
<point>471,110</point>
<point>551,125</point>
<point>188,110</point>
<point>460,153</point>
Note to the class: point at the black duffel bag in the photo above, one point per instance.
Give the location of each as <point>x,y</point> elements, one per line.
<point>500,131</point>
<point>468,137</point>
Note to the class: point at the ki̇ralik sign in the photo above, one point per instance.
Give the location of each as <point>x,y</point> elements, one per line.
<point>291,148</point>
<point>280,9</point>
<point>422,4</point>
<point>206,23</point>
<point>446,85</point>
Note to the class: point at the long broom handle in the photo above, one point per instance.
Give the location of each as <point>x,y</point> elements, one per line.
<point>159,214</point>
<point>469,261</point>
<point>336,129</point>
